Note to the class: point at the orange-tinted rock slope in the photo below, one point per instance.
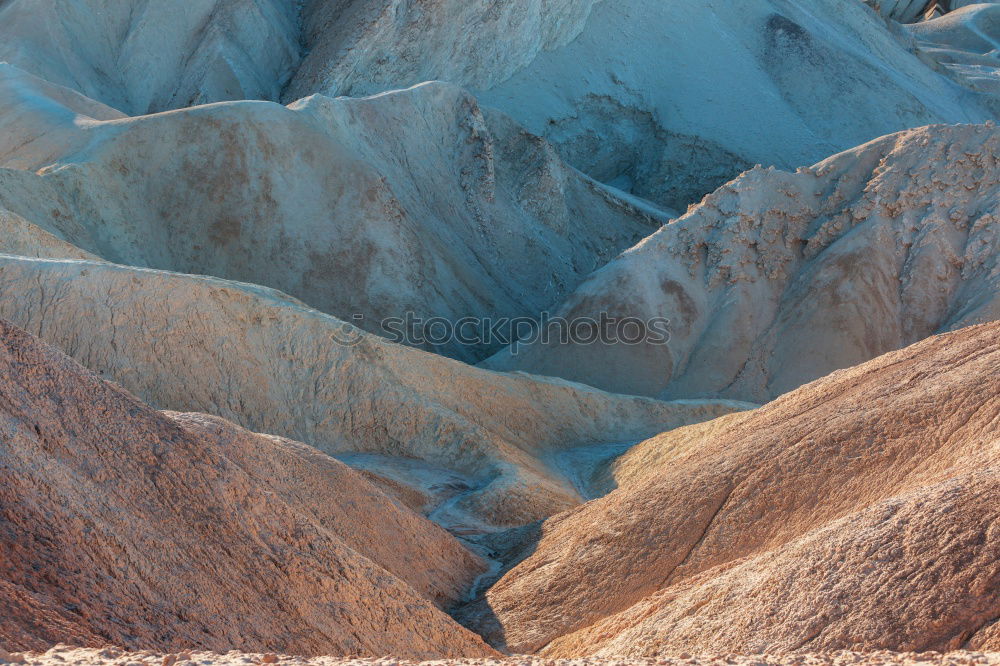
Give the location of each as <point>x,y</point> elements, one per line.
<point>860,511</point>
<point>120,524</point>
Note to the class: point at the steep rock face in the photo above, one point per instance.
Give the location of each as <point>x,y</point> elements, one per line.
<point>142,56</point>
<point>267,362</point>
<point>122,525</point>
<point>780,278</point>
<point>859,511</point>
<point>801,81</point>
<point>354,206</point>
<point>477,44</point>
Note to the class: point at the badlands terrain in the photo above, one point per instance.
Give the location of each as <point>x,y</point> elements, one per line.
<point>231,232</point>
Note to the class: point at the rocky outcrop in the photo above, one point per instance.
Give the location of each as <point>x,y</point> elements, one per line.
<point>347,204</point>
<point>124,525</point>
<point>859,512</point>
<point>476,44</point>
<point>267,362</point>
<point>780,278</point>
<point>904,11</point>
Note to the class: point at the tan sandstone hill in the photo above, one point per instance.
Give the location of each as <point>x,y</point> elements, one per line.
<point>860,511</point>
<point>214,214</point>
<point>263,360</point>
<point>123,525</point>
<point>780,278</point>
<point>346,505</point>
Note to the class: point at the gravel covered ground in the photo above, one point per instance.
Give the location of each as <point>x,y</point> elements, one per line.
<point>62,655</point>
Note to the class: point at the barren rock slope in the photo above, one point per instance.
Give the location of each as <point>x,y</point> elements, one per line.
<point>269,363</point>
<point>779,278</point>
<point>666,99</point>
<point>122,525</point>
<point>904,11</point>
<point>225,218</point>
<point>860,511</point>
<point>965,43</point>
<point>917,11</point>
<point>415,202</point>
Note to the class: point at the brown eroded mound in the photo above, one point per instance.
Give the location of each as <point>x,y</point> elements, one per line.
<point>860,511</point>
<point>120,524</point>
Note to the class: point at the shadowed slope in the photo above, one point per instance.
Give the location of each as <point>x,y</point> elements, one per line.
<point>628,91</point>
<point>965,42</point>
<point>665,99</point>
<point>142,56</point>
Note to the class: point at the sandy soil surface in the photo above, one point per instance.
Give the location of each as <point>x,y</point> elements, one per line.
<point>61,654</point>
